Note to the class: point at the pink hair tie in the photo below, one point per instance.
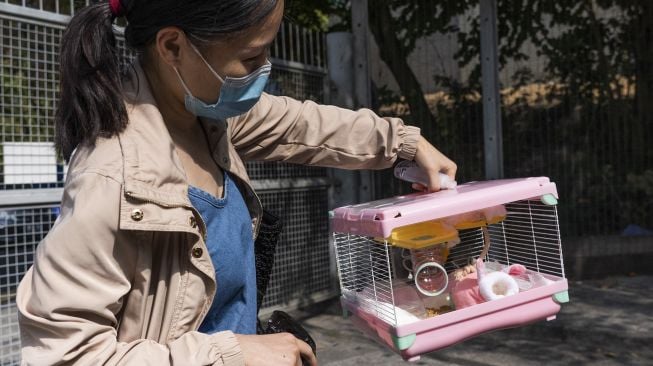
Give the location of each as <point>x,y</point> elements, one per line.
<point>116,8</point>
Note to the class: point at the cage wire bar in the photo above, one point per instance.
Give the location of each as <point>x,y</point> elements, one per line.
<point>529,235</point>
<point>366,274</point>
<point>31,178</point>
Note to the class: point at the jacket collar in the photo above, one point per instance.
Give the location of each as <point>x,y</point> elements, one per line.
<point>152,168</point>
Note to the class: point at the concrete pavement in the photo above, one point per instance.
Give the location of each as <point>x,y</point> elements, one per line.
<point>607,322</point>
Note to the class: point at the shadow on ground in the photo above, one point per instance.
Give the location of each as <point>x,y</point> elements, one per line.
<point>607,322</point>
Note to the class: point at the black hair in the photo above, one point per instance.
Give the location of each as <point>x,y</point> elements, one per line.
<point>91,100</point>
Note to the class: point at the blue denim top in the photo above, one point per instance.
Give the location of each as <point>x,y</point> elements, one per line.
<point>231,246</point>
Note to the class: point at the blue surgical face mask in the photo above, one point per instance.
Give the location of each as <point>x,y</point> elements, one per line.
<point>237,95</point>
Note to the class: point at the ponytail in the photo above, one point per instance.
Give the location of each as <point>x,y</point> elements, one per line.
<point>91,100</point>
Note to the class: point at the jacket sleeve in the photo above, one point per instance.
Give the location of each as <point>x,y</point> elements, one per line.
<point>70,300</point>
<point>284,129</point>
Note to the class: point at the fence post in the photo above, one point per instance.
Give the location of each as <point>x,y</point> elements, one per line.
<point>341,68</point>
<point>362,87</point>
<point>492,130</point>
<point>341,79</point>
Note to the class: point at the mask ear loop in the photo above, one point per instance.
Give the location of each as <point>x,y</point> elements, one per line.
<point>206,63</point>
<point>182,82</point>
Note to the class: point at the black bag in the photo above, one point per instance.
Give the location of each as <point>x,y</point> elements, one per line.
<point>281,322</point>
<point>264,249</point>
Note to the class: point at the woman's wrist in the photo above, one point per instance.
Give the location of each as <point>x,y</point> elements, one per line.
<point>411,137</point>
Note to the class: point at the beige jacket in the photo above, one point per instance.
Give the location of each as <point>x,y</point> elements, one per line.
<point>124,276</point>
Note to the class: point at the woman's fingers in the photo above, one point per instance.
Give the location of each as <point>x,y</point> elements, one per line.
<point>433,162</point>
<point>306,352</point>
<point>434,179</point>
<point>449,168</point>
<point>280,349</point>
<point>419,187</point>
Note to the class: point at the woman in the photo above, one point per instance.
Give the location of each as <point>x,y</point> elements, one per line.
<point>151,260</point>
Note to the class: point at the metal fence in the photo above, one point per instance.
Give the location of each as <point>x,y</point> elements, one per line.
<point>573,102</point>
<point>21,229</point>
<point>31,177</point>
<point>58,7</point>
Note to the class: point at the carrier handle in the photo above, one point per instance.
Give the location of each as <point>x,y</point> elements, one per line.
<point>409,171</point>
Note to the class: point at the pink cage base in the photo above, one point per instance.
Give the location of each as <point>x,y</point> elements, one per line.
<point>450,328</point>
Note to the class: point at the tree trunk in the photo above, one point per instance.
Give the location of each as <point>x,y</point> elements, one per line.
<point>394,54</point>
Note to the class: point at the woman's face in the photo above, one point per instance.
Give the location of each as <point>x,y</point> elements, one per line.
<point>235,57</point>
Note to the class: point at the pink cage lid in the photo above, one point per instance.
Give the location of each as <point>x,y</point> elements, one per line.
<point>379,218</point>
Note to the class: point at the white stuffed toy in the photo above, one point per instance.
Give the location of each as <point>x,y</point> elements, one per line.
<point>495,285</point>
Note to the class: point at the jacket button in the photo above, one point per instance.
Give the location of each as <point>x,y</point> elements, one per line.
<point>197,252</point>
<point>137,214</point>
<point>192,222</point>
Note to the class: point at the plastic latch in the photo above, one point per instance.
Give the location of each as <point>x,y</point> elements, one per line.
<point>549,199</point>
<point>403,343</point>
<point>561,297</point>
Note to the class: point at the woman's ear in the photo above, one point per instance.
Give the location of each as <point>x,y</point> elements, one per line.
<point>169,45</point>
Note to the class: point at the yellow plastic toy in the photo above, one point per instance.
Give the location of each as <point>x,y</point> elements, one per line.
<point>424,234</point>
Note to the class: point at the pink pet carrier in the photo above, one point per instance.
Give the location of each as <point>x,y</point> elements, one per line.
<point>427,270</point>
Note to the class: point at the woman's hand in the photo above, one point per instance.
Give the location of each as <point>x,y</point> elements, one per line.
<point>432,162</point>
<point>281,349</point>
